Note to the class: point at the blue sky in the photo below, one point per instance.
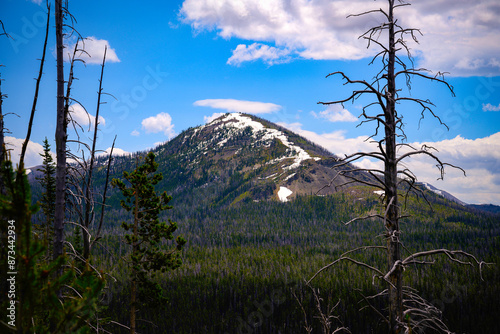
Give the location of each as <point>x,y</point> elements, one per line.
<point>174,64</point>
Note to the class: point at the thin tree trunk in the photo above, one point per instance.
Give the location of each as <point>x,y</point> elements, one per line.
<point>133,290</point>
<point>61,137</point>
<point>35,98</point>
<point>106,183</point>
<point>392,222</point>
<point>86,236</point>
<point>2,142</point>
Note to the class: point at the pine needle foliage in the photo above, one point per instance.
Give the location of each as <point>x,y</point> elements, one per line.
<point>48,199</point>
<point>37,307</point>
<point>146,233</point>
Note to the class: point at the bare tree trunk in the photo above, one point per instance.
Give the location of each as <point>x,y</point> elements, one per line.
<point>2,140</point>
<point>86,236</point>
<point>35,98</point>
<point>106,183</point>
<point>391,182</point>
<point>412,313</point>
<point>133,290</point>
<point>61,137</point>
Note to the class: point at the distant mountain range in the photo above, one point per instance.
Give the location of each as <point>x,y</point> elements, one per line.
<point>239,157</point>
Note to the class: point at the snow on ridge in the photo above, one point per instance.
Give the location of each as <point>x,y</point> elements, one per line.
<point>283,193</point>
<point>432,188</point>
<point>238,122</point>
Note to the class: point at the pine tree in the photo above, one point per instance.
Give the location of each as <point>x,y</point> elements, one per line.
<point>48,200</point>
<point>32,299</point>
<point>147,232</point>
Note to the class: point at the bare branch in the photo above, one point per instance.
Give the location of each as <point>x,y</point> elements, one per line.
<point>35,98</point>
<point>343,257</point>
<point>373,307</point>
<point>4,31</point>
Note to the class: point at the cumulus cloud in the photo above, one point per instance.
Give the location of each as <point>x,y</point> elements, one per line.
<point>116,152</point>
<point>159,123</point>
<point>94,51</point>
<point>208,119</point>
<point>268,54</point>
<point>457,37</point>
<point>231,105</point>
<point>480,158</point>
<point>335,113</point>
<point>79,115</point>
<point>33,150</point>
<point>336,141</point>
<point>135,133</point>
<point>490,107</point>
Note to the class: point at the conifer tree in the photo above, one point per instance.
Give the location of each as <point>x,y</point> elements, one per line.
<point>48,200</point>
<point>146,232</point>
<point>32,300</point>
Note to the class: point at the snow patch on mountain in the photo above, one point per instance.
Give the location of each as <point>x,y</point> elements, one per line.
<point>235,123</point>
<point>432,188</point>
<point>283,193</point>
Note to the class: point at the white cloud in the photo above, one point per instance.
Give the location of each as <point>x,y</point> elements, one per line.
<point>480,158</point>
<point>335,142</point>
<point>490,107</point>
<point>336,113</point>
<point>135,133</point>
<point>79,115</point>
<point>94,51</point>
<point>116,152</point>
<point>33,150</point>
<point>231,105</point>
<point>159,123</point>
<point>208,119</point>
<point>158,143</point>
<point>458,35</point>
<point>270,55</point>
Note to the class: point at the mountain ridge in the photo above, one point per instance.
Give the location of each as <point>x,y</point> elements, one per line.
<point>239,157</point>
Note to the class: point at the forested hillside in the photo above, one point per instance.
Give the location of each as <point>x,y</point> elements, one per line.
<point>248,254</point>
<point>243,263</point>
<point>241,225</point>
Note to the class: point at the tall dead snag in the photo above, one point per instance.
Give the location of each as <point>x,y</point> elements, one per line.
<point>88,204</point>
<point>35,98</point>
<point>2,140</point>
<point>61,136</point>
<point>403,302</point>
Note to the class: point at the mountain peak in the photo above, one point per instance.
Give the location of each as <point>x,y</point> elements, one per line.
<point>235,125</point>
<point>246,157</point>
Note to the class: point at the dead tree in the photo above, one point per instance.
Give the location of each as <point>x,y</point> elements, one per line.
<point>326,316</point>
<point>86,237</point>
<point>392,150</point>
<point>35,98</point>
<point>2,129</point>
<point>61,136</point>
<point>2,140</point>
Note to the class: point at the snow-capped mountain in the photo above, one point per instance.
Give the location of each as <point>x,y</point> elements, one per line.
<point>239,157</point>
<point>242,157</point>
